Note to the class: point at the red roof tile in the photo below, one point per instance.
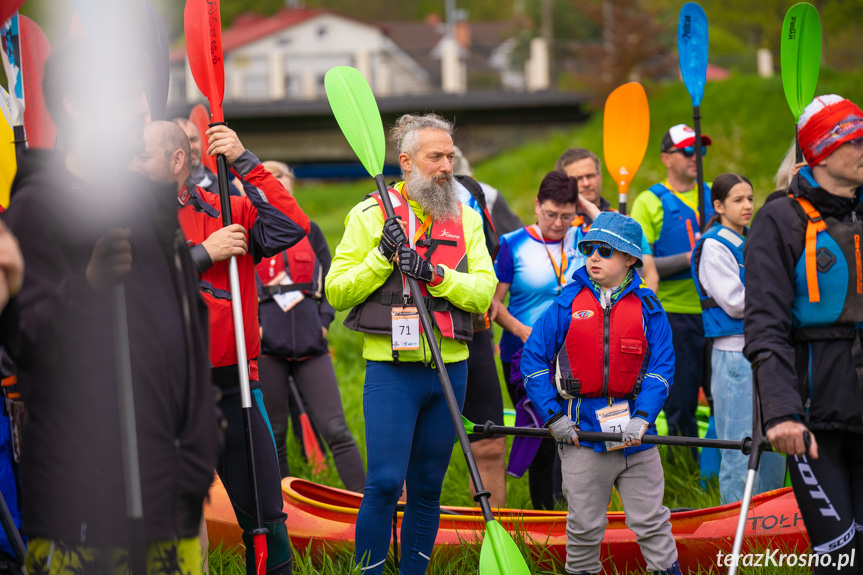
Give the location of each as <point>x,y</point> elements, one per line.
<point>250,27</point>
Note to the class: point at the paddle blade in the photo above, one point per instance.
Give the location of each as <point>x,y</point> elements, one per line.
<point>692,49</point>
<point>800,56</point>
<point>499,553</point>
<point>310,443</point>
<point>625,133</point>
<point>203,28</point>
<point>201,118</point>
<point>357,114</point>
<point>9,7</point>
<point>35,50</point>
<point>8,162</point>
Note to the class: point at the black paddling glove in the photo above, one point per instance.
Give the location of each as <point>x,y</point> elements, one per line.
<point>392,237</point>
<point>414,265</point>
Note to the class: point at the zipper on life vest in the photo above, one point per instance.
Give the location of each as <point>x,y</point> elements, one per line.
<point>606,344</point>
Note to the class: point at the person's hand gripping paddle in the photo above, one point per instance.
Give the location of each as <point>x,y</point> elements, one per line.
<point>358,116</point>
<point>203,29</point>
<point>800,58</point>
<point>692,53</point>
<point>625,133</point>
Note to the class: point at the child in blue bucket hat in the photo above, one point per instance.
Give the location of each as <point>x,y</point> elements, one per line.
<point>601,359</point>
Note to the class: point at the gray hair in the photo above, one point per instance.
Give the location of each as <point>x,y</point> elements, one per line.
<point>460,165</point>
<point>404,135</point>
<point>574,155</point>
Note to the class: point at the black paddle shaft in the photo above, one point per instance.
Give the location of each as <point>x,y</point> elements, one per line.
<point>490,429</point>
<point>699,168</point>
<point>227,220</point>
<point>482,495</point>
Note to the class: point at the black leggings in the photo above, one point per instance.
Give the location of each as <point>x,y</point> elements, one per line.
<point>316,381</point>
<point>829,491</point>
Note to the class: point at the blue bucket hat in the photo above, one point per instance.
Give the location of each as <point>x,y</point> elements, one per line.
<point>620,232</point>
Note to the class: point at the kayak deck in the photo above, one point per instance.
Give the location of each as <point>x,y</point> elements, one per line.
<point>321,518</point>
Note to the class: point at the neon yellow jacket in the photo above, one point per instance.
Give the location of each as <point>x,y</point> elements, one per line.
<point>358,269</point>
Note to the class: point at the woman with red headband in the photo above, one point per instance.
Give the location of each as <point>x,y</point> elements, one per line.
<point>804,303</point>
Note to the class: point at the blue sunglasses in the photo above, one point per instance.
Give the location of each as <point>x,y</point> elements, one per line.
<point>605,250</point>
<point>688,151</point>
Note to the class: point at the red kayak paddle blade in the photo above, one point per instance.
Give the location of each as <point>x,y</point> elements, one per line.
<point>260,542</point>
<point>35,50</point>
<point>201,118</point>
<point>311,445</point>
<point>9,7</point>
<point>203,28</point>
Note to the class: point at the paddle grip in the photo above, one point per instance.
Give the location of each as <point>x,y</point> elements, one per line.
<point>443,376</point>
<point>489,429</point>
<point>222,178</point>
<point>699,168</point>
<point>20,138</point>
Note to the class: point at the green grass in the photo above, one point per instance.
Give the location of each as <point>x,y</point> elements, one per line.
<point>751,127</point>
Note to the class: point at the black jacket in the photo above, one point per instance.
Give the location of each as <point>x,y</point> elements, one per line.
<point>71,468</point>
<point>296,334</point>
<point>823,391</point>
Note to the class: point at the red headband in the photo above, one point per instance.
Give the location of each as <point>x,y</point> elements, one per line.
<point>828,129</point>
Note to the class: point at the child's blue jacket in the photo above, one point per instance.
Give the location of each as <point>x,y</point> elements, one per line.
<point>548,336</point>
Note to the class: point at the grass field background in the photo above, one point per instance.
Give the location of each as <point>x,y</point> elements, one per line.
<point>751,127</point>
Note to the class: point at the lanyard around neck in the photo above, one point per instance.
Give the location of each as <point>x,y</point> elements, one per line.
<point>559,272</point>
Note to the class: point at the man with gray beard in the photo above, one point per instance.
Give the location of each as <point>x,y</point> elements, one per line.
<point>409,433</point>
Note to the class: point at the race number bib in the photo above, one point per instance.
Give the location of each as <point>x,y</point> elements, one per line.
<point>289,299</point>
<point>613,419</point>
<point>406,328</point>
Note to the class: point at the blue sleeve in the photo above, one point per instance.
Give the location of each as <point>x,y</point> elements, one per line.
<point>503,265</point>
<point>548,335</point>
<point>660,368</point>
<point>645,246</point>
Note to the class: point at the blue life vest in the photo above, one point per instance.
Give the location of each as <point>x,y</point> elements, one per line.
<point>717,323</point>
<point>674,236</point>
<point>828,277</point>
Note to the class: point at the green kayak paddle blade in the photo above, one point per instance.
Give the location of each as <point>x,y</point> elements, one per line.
<point>800,56</point>
<point>499,553</point>
<point>356,111</point>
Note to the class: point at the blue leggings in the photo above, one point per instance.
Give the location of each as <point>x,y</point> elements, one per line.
<point>409,435</point>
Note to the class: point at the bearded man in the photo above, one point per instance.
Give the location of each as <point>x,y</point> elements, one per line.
<point>409,433</point>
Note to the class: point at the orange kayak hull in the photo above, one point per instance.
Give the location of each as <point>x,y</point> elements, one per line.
<point>321,518</point>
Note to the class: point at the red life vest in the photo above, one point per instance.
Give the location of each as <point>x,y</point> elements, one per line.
<point>609,349</point>
<point>445,245</point>
<point>300,263</point>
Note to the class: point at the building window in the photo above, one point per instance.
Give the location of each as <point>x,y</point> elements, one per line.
<point>322,31</point>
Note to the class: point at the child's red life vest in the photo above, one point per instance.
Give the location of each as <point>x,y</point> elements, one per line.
<point>605,353</point>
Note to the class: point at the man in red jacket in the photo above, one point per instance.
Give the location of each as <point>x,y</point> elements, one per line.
<point>266,221</point>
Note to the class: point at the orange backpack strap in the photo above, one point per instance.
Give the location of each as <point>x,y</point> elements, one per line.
<point>813,226</point>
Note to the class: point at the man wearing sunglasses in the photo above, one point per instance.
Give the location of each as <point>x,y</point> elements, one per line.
<point>668,214</point>
<point>802,321</point>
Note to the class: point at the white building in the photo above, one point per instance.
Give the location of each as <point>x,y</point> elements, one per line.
<point>287,55</point>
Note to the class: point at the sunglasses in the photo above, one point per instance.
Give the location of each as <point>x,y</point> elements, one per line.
<point>605,250</point>
<point>688,151</point>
